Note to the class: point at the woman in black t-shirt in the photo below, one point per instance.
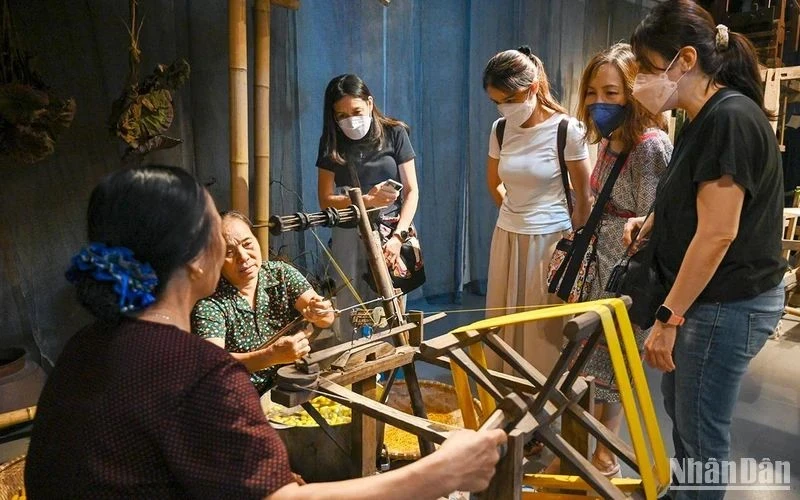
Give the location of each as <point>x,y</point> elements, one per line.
<point>716,226</point>
<point>360,147</point>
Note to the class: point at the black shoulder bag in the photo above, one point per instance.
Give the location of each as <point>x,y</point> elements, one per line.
<point>408,273</point>
<point>573,265</point>
<point>636,275</point>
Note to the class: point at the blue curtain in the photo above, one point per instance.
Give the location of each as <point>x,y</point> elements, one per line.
<point>423,61</point>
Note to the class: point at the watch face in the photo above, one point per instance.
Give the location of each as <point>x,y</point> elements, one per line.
<point>663,314</point>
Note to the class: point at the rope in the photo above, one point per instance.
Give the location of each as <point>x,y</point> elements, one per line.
<point>338,269</point>
<point>532,306</point>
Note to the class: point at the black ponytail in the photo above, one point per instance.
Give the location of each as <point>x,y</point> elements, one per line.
<point>739,69</point>
<point>728,58</point>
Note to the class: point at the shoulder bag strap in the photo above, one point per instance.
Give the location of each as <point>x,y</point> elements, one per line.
<point>568,272</point>
<point>561,143</point>
<point>584,236</point>
<point>500,131</point>
<point>605,195</point>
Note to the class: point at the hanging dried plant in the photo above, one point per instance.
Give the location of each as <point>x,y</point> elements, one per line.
<point>31,115</point>
<point>143,112</point>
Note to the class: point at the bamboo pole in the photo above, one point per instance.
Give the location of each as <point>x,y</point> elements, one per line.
<point>15,417</point>
<point>240,176</point>
<point>262,70</point>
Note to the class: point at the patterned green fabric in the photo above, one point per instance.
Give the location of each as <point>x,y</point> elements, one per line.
<point>227,315</point>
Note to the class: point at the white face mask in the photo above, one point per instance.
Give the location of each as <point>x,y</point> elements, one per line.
<point>516,113</point>
<point>657,93</point>
<point>355,127</point>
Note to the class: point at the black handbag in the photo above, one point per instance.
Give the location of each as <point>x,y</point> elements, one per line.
<point>637,276</point>
<point>408,273</point>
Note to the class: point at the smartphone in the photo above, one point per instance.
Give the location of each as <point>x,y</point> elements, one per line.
<point>396,185</point>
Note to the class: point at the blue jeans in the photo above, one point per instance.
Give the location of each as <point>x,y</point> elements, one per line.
<point>712,351</point>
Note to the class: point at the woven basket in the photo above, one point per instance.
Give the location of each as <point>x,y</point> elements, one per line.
<point>12,480</point>
<point>441,405</point>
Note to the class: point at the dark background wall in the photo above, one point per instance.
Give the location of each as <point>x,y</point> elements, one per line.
<point>422,59</point>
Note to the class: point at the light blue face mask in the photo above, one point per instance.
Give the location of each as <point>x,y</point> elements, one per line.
<point>607,117</point>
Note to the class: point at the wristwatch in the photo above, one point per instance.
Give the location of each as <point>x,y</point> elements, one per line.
<point>665,315</point>
<point>402,235</point>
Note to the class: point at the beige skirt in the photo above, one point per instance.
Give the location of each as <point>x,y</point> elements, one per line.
<point>518,265</point>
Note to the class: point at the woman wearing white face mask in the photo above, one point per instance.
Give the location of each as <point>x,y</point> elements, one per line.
<point>524,178</point>
<point>715,229</point>
<point>360,147</point>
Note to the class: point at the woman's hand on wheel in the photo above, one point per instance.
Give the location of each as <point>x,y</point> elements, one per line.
<point>470,457</point>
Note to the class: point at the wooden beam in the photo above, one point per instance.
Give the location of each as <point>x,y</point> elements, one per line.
<point>403,355</point>
<point>576,434</point>
<point>364,432</point>
<point>432,431</point>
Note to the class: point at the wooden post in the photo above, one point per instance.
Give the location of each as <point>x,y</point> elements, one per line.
<point>507,480</point>
<point>416,335</point>
<point>464,396</point>
<point>487,402</point>
<point>364,432</point>
<point>574,433</point>
<point>240,175</point>
<point>377,264</point>
<point>380,273</point>
<point>262,178</point>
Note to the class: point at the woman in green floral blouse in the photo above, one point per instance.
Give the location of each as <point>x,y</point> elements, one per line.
<point>254,300</point>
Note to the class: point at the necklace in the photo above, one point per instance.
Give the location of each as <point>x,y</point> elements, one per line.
<point>164,316</point>
<point>158,315</point>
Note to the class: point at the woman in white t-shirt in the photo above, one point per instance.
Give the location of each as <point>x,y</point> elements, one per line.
<point>524,178</point>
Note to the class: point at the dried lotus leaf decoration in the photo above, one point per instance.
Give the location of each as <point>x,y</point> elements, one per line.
<point>31,115</point>
<point>143,112</point>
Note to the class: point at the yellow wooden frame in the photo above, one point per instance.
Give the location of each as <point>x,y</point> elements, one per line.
<point>654,470</point>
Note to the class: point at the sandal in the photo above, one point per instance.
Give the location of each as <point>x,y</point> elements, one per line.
<point>608,469</point>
